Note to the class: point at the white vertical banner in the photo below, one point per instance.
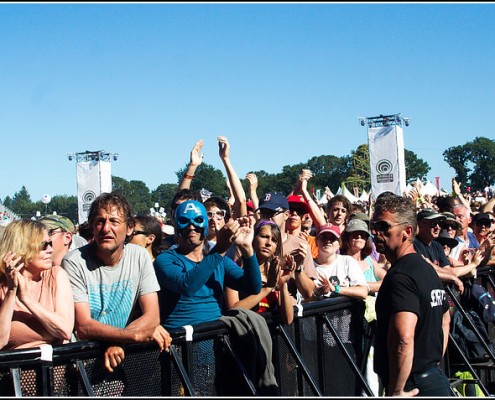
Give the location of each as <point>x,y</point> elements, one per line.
<point>93,178</point>
<point>387,163</point>
<point>105,177</point>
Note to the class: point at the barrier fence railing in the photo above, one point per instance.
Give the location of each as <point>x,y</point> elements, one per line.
<point>319,354</point>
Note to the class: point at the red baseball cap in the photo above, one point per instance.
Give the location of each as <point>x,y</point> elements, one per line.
<point>328,228</point>
<point>299,200</point>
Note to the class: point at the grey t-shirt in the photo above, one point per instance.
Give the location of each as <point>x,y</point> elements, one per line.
<point>111,292</point>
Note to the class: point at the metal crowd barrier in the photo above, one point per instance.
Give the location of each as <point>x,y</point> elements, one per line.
<point>319,354</point>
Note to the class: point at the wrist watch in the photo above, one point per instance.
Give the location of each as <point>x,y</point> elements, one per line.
<point>337,289</point>
<point>299,268</point>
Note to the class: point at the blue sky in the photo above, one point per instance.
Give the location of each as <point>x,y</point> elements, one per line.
<point>284,82</point>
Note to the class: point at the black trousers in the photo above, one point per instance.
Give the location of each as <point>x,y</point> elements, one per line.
<point>432,382</point>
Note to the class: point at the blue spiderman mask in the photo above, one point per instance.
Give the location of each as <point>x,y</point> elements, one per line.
<point>191,212</point>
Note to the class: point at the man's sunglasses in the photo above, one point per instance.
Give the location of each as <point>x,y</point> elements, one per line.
<point>267,214</point>
<point>382,226</point>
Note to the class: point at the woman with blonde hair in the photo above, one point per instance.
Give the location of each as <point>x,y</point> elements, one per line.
<point>36,305</point>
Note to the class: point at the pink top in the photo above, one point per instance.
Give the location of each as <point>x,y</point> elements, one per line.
<point>27,331</point>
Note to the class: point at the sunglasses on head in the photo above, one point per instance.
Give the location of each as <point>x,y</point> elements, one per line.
<point>383,226</point>
<point>44,245</point>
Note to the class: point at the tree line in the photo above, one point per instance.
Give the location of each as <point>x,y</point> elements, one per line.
<point>473,162</point>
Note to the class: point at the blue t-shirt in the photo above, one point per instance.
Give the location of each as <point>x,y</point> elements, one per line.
<point>192,292</point>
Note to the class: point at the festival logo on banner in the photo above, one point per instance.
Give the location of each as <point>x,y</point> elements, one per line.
<point>384,171</point>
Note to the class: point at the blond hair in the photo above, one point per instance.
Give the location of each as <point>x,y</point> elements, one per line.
<point>22,237</point>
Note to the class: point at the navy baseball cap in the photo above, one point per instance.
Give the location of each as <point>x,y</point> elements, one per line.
<point>274,201</point>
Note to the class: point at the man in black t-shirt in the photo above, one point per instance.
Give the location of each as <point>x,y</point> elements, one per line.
<point>412,309</point>
<point>429,228</point>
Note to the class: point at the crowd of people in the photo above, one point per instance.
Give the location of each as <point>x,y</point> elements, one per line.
<point>125,278</point>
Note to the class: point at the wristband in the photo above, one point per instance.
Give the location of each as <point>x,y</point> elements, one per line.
<point>337,289</point>
<point>186,176</point>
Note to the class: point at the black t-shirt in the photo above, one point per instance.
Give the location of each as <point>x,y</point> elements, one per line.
<point>433,252</point>
<point>411,284</point>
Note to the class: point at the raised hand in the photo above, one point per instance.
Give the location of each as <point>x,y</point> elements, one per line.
<point>253,181</point>
<point>196,158</point>
<point>223,147</point>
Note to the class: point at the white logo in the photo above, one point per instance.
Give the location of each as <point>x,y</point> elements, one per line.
<point>191,207</point>
<point>437,297</point>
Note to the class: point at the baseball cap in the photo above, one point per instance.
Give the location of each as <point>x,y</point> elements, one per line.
<point>445,239</point>
<point>451,218</point>
<point>57,221</point>
<point>328,228</point>
<point>274,201</point>
<point>482,216</point>
<point>428,213</point>
<point>298,200</point>
<point>357,225</point>
<point>362,216</point>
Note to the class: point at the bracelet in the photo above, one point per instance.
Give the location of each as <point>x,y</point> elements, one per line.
<point>186,176</point>
<point>337,289</point>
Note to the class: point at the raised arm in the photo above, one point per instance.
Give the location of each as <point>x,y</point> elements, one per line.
<point>315,211</point>
<point>240,208</point>
<point>456,189</point>
<point>253,186</point>
<point>195,161</point>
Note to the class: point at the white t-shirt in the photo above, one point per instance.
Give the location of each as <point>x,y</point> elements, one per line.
<point>344,271</point>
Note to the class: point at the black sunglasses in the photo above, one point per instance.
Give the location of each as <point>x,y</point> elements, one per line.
<point>483,222</point>
<point>448,226</point>
<point>44,245</point>
<point>382,226</point>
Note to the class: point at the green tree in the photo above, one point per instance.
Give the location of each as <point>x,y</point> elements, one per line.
<point>64,205</point>
<point>164,194</point>
<point>482,155</point>
<point>22,205</point>
<point>457,157</point>
<point>329,170</point>
<point>415,167</point>
<point>137,193</point>
<point>360,172</point>
<point>473,162</point>
<point>207,177</point>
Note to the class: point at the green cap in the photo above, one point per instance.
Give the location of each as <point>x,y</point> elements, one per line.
<point>57,221</point>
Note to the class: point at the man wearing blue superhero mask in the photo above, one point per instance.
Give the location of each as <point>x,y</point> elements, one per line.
<point>192,279</point>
